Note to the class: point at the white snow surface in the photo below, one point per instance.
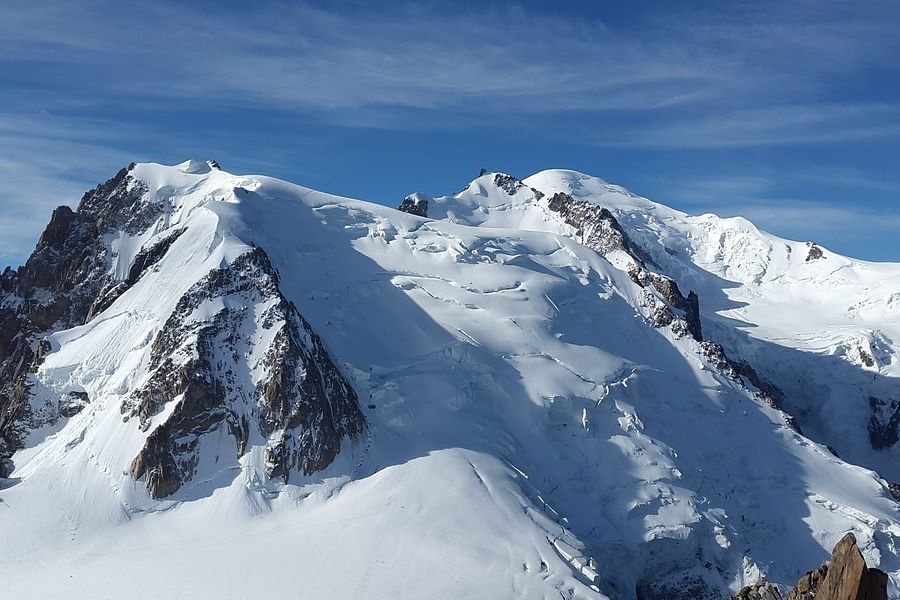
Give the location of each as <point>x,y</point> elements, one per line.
<point>529,435</point>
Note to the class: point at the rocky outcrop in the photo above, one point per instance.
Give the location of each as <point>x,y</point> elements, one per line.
<point>56,289</point>
<point>688,306</point>
<point>415,204</point>
<point>845,577</point>
<point>809,584</point>
<point>679,587</point>
<point>761,590</point>
<point>595,226</point>
<point>743,372</point>
<point>884,422</point>
<point>509,184</point>
<point>815,252</point>
<point>219,375</point>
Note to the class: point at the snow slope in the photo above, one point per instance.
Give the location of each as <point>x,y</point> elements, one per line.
<point>825,330</point>
<point>529,433</point>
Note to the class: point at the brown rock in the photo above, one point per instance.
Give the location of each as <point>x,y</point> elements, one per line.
<point>846,578</point>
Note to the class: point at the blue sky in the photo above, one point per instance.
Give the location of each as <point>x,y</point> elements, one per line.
<point>787,113</point>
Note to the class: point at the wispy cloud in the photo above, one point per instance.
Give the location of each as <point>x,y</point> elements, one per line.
<point>297,55</point>
<point>779,125</point>
<point>356,67</point>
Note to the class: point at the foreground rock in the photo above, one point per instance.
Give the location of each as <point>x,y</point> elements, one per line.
<point>844,577</point>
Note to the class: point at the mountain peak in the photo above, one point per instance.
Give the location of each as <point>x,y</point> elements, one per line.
<point>197,167</point>
<point>551,386</point>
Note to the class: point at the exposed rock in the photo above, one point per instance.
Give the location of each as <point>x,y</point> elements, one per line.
<point>6,468</point>
<point>846,577</point>
<point>594,225</point>
<point>668,289</point>
<point>72,403</point>
<point>815,252</point>
<point>598,229</point>
<point>761,590</point>
<point>809,584</point>
<point>298,400</point>
<point>415,204</point>
<point>745,373</point>
<point>884,422</point>
<point>866,358</point>
<point>301,403</point>
<point>895,490</point>
<point>57,287</point>
<point>508,183</point>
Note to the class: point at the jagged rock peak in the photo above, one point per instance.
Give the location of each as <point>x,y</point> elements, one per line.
<point>253,368</point>
<point>416,204</point>
<point>295,399</point>
<point>845,577</point>
<point>55,290</point>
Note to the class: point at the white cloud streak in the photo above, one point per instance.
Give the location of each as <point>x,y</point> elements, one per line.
<point>356,67</point>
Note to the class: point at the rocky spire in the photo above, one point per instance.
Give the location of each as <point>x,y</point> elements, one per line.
<point>844,577</point>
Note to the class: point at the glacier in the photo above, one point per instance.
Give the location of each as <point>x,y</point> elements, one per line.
<point>509,392</point>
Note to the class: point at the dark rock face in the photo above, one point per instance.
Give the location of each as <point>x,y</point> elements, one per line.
<point>511,185</point>
<point>884,422</point>
<point>815,252</point>
<point>866,358</point>
<point>6,468</point>
<point>72,403</point>
<point>508,183</point>
<point>414,204</point>
<point>745,373</point>
<point>302,405</point>
<point>895,490</point>
<point>56,288</point>
<point>846,577</point>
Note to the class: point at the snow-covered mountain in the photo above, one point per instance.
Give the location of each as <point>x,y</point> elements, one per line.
<point>223,386</point>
